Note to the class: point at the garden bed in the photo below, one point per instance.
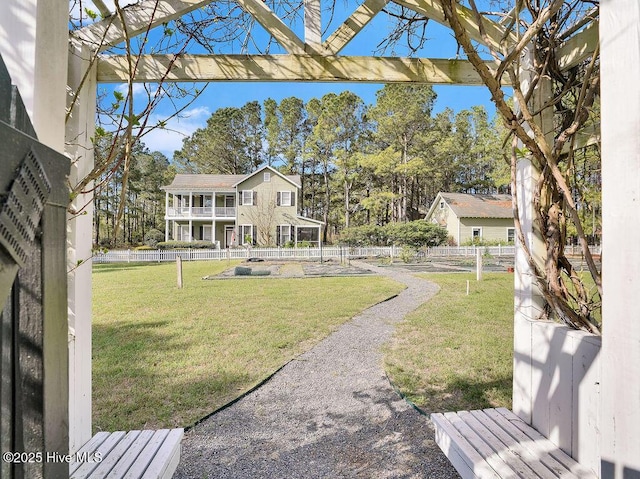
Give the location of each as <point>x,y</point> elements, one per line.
<point>292,269</point>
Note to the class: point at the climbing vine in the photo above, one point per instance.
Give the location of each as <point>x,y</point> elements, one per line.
<point>554,106</point>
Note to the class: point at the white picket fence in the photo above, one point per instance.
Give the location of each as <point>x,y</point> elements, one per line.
<point>341,252</point>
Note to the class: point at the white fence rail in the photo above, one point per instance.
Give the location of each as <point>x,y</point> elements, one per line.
<point>135,256</point>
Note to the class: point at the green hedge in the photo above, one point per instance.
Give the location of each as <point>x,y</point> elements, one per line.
<point>417,234</point>
<point>184,245</point>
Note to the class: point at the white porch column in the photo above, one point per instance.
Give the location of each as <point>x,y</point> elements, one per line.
<point>529,303</point>
<point>620,76</point>
<point>80,131</point>
<point>33,45</point>
<point>166,213</point>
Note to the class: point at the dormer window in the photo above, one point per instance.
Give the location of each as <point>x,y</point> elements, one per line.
<point>442,205</point>
<point>266,176</point>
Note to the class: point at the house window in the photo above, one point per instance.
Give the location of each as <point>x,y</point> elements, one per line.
<point>266,177</point>
<point>283,234</point>
<point>511,235</point>
<point>442,205</point>
<point>310,234</point>
<point>247,198</point>
<point>247,235</point>
<point>476,233</point>
<point>285,198</point>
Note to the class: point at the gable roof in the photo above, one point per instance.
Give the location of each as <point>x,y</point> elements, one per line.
<point>200,182</point>
<point>294,179</point>
<point>465,205</point>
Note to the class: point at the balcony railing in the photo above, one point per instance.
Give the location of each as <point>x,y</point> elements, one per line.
<point>201,212</point>
<point>225,212</point>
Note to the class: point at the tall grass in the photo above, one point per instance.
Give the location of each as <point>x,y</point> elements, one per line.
<point>165,357</point>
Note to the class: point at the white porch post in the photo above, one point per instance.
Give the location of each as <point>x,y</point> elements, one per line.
<point>620,75</point>
<point>529,303</point>
<point>33,45</point>
<point>80,131</point>
<point>166,214</point>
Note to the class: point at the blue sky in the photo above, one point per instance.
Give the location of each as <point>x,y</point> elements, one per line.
<point>440,44</point>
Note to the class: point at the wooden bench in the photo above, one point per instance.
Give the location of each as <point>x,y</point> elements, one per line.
<point>495,443</point>
<point>136,454</point>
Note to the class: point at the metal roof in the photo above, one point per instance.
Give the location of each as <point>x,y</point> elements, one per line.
<point>478,206</point>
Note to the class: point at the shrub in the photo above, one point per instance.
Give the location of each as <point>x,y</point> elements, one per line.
<point>416,234</point>
<point>153,237</point>
<point>366,235</point>
<point>485,242</point>
<point>144,248</point>
<point>408,253</point>
<point>184,245</point>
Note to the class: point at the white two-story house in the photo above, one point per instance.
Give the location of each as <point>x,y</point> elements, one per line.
<point>260,208</point>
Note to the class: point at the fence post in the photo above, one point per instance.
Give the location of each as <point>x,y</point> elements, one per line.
<point>128,256</point>
<point>478,264</point>
<point>179,268</point>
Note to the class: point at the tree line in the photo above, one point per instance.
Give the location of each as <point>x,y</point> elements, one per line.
<point>359,164</point>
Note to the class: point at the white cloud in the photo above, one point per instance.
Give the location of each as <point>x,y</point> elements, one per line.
<point>170,138</point>
<point>138,89</point>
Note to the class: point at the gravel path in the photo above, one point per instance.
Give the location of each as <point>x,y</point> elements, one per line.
<point>331,413</point>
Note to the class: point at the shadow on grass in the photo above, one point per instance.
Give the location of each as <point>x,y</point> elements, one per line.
<point>144,378</point>
<point>466,394</point>
<point>111,267</point>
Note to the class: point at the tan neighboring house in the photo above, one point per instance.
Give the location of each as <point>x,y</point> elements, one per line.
<point>474,217</point>
<point>260,208</point>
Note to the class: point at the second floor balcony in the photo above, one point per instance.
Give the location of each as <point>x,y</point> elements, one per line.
<point>201,212</point>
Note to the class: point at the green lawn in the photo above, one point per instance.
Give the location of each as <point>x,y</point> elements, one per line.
<point>456,351</point>
<point>165,357</point>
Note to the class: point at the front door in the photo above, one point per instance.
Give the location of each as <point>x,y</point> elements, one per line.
<point>206,233</point>
<point>228,236</point>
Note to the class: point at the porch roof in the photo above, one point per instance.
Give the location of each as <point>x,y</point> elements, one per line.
<point>191,182</point>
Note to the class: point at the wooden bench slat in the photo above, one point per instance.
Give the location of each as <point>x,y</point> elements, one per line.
<point>109,462</point>
<point>495,461</point>
<point>90,446</point>
<point>170,449</point>
<point>539,446</point>
<point>558,454</point>
<point>493,443</point>
<point>128,458</point>
<point>521,449</point>
<point>86,468</point>
<point>502,450</point>
<point>146,455</point>
<point>466,460</point>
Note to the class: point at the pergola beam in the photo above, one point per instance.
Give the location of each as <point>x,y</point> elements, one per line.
<point>579,47</point>
<point>139,17</point>
<point>491,34</point>
<point>273,25</point>
<point>353,25</point>
<point>318,68</point>
<point>102,8</point>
